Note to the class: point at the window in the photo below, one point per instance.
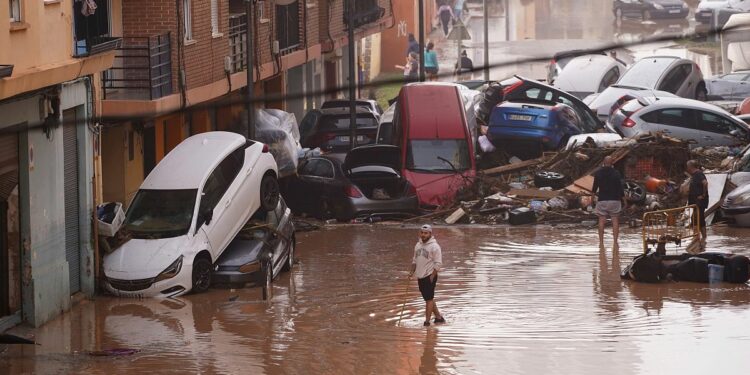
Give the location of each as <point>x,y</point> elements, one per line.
<point>715,124</point>
<point>160,213</point>
<point>365,11</point>
<point>427,155</point>
<point>220,179</point>
<point>671,117</point>
<point>187,20</point>
<point>287,26</point>
<point>609,79</point>
<point>318,168</point>
<point>15,10</point>
<point>675,78</point>
<point>214,18</point>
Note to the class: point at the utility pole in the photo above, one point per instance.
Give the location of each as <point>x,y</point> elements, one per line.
<point>352,79</point>
<point>249,70</point>
<point>421,40</point>
<point>507,20</point>
<point>486,41</point>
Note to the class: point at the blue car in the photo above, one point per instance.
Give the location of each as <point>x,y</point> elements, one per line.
<point>528,128</point>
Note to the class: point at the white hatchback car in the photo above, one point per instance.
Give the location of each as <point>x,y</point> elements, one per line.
<point>186,213</point>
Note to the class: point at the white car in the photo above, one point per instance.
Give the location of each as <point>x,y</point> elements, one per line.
<point>670,74</point>
<point>737,206</point>
<point>589,74</point>
<point>186,213</point>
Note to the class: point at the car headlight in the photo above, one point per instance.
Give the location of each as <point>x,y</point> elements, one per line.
<point>170,271</point>
<point>250,267</point>
<point>658,6</point>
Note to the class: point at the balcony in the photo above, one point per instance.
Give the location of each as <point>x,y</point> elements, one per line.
<point>92,31</point>
<point>142,69</point>
<point>237,42</point>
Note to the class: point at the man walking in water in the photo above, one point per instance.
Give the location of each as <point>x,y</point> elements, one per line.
<point>698,195</point>
<point>608,186</point>
<point>425,265</point>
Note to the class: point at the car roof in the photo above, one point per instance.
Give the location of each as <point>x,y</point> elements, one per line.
<point>428,120</point>
<point>687,103</point>
<point>188,164</point>
<point>336,111</point>
<point>583,73</point>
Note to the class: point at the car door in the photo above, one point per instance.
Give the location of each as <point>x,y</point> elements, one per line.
<point>305,185</point>
<point>675,122</point>
<point>675,81</point>
<point>719,130</point>
<point>217,195</point>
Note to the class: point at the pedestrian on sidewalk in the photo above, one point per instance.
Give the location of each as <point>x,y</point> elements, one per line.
<point>608,186</point>
<point>413,45</point>
<point>458,9</point>
<point>431,62</point>
<point>445,13</point>
<point>463,68</point>
<point>426,264</point>
<point>698,195</point>
<point>411,69</point>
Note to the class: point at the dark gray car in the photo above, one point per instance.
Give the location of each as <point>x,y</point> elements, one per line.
<point>260,251</point>
<point>732,86</point>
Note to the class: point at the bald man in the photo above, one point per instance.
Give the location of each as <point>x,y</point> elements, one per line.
<point>608,187</point>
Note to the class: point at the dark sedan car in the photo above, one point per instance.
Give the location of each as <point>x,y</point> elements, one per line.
<point>329,129</point>
<point>650,9</point>
<point>260,251</point>
<point>370,104</point>
<point>363,183</point>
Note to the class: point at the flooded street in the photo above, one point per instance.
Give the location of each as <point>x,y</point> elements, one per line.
<point>517,300</point>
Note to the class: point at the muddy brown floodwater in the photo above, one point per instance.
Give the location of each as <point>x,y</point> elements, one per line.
<point>535,300</point>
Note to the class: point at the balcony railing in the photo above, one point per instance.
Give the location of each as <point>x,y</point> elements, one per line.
<point>142,70</point>
<point>91,32</point>
<point>237,42</point>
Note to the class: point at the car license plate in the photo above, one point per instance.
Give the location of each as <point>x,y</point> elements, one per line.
<point>519,117</point>
<point>360,138</point>
<point>674,11</point>
<point>344,138</point>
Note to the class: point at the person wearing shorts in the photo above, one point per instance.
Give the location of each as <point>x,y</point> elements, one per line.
<point>425,265</point>
<point>608,187</point>
<point>698,195</point>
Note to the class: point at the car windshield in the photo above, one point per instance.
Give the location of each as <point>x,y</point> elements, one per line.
<point>645,73</point>
<point>428,155</point>
<point>161,213</point>
<point>342,122</point>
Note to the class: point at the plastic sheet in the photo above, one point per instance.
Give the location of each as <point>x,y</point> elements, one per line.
<point>280,131</point>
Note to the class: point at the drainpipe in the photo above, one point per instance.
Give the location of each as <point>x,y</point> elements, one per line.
<point>352,79</point>
<point>249,70</point>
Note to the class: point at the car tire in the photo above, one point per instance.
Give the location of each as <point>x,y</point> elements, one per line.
<point>201,275</point>
<point>646,15</point>
<point>550,179</point>
<point>269,193</point>
<point>701,93</point>
<point>290,259</point>
<point>268,281</point>
<point>635,192</point>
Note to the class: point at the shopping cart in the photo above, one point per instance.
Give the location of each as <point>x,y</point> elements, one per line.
<point>673,225</point>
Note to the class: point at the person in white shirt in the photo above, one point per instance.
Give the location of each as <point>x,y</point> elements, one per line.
<point>425,265</point>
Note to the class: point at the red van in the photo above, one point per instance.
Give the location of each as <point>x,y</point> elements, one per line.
<point>431,127</point>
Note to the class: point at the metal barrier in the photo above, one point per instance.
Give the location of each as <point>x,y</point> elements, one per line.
<point>672,225</point>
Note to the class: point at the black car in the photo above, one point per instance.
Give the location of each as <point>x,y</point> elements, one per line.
<point>329,129</point>
<point>364,183</point>
<point>260,251</point>
<point>650,9</point>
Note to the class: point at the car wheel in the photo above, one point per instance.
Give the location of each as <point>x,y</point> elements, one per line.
<point>269,193</point>
<point>635,192</point>
<point>701,93</point>
<point>549,179</point>
<point>268,282</point>
<point>646,15</point>
<point>290,259</point>
<point>201,275</point>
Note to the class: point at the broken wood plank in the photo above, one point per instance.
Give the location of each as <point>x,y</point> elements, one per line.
<point>455,216</point>
<point>534,193</point>
<point>427,216</point>
<point>513,167</point>
<point>584,184</point>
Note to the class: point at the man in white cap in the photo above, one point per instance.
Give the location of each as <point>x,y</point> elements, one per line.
<point>428,259</point>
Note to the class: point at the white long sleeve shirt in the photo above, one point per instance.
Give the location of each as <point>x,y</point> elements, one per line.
<point>428,257</point>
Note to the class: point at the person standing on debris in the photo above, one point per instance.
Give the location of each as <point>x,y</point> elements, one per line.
<point>608,187</point>
<point>431,62</point>
<point>698,194</point>
<point>445,13</point>
<point>425,265</point>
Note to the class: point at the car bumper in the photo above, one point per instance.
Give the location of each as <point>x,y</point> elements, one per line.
<point>669,13</point>
<point>704,16</point>
<point>146,288</point>
<point>237,278</point>
<point>356,207</point>
<point>549,140</point>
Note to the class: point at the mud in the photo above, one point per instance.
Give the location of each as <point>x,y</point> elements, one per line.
<point>532,300</point>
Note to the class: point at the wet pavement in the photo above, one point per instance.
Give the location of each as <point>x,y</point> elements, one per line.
<point>518,300</point>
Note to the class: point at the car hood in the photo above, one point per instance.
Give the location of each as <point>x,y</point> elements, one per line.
<point>438,189</point>
<point>240,252</point>
<point>143,258</point>
<point>712,5</point>
<point>378,154</point>
<point>730,200</point>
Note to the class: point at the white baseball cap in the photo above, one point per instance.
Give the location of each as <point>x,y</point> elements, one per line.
<point>427,228</point>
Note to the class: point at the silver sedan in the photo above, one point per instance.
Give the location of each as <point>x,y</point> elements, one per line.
<point>680,118</point>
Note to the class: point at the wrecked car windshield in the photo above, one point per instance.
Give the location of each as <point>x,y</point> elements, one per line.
<point>427,155</point>
<point>161,213</point>
<point>342,122</point>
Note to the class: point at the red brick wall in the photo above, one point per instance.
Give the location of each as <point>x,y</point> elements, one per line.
<point>204,59</point>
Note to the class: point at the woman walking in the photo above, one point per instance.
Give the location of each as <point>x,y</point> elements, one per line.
<point>445,13</point>
<point>431,62</point>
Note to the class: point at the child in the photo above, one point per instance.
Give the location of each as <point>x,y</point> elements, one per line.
<point>411,69</point>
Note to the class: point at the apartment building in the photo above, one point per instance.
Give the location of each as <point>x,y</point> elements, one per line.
<point>51,53</point>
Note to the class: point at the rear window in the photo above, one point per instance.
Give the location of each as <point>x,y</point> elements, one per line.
<point>631,107</point>
<point>342,122</point>
<point>431,155</point>
<point>646,72</point>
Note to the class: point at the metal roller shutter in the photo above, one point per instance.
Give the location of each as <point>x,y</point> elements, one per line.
<point>72,230</point>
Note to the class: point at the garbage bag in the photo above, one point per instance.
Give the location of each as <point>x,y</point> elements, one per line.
<point>110,217</point>
<point>279,130</point>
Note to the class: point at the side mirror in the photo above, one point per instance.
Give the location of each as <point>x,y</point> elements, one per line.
<point>207,216</point>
